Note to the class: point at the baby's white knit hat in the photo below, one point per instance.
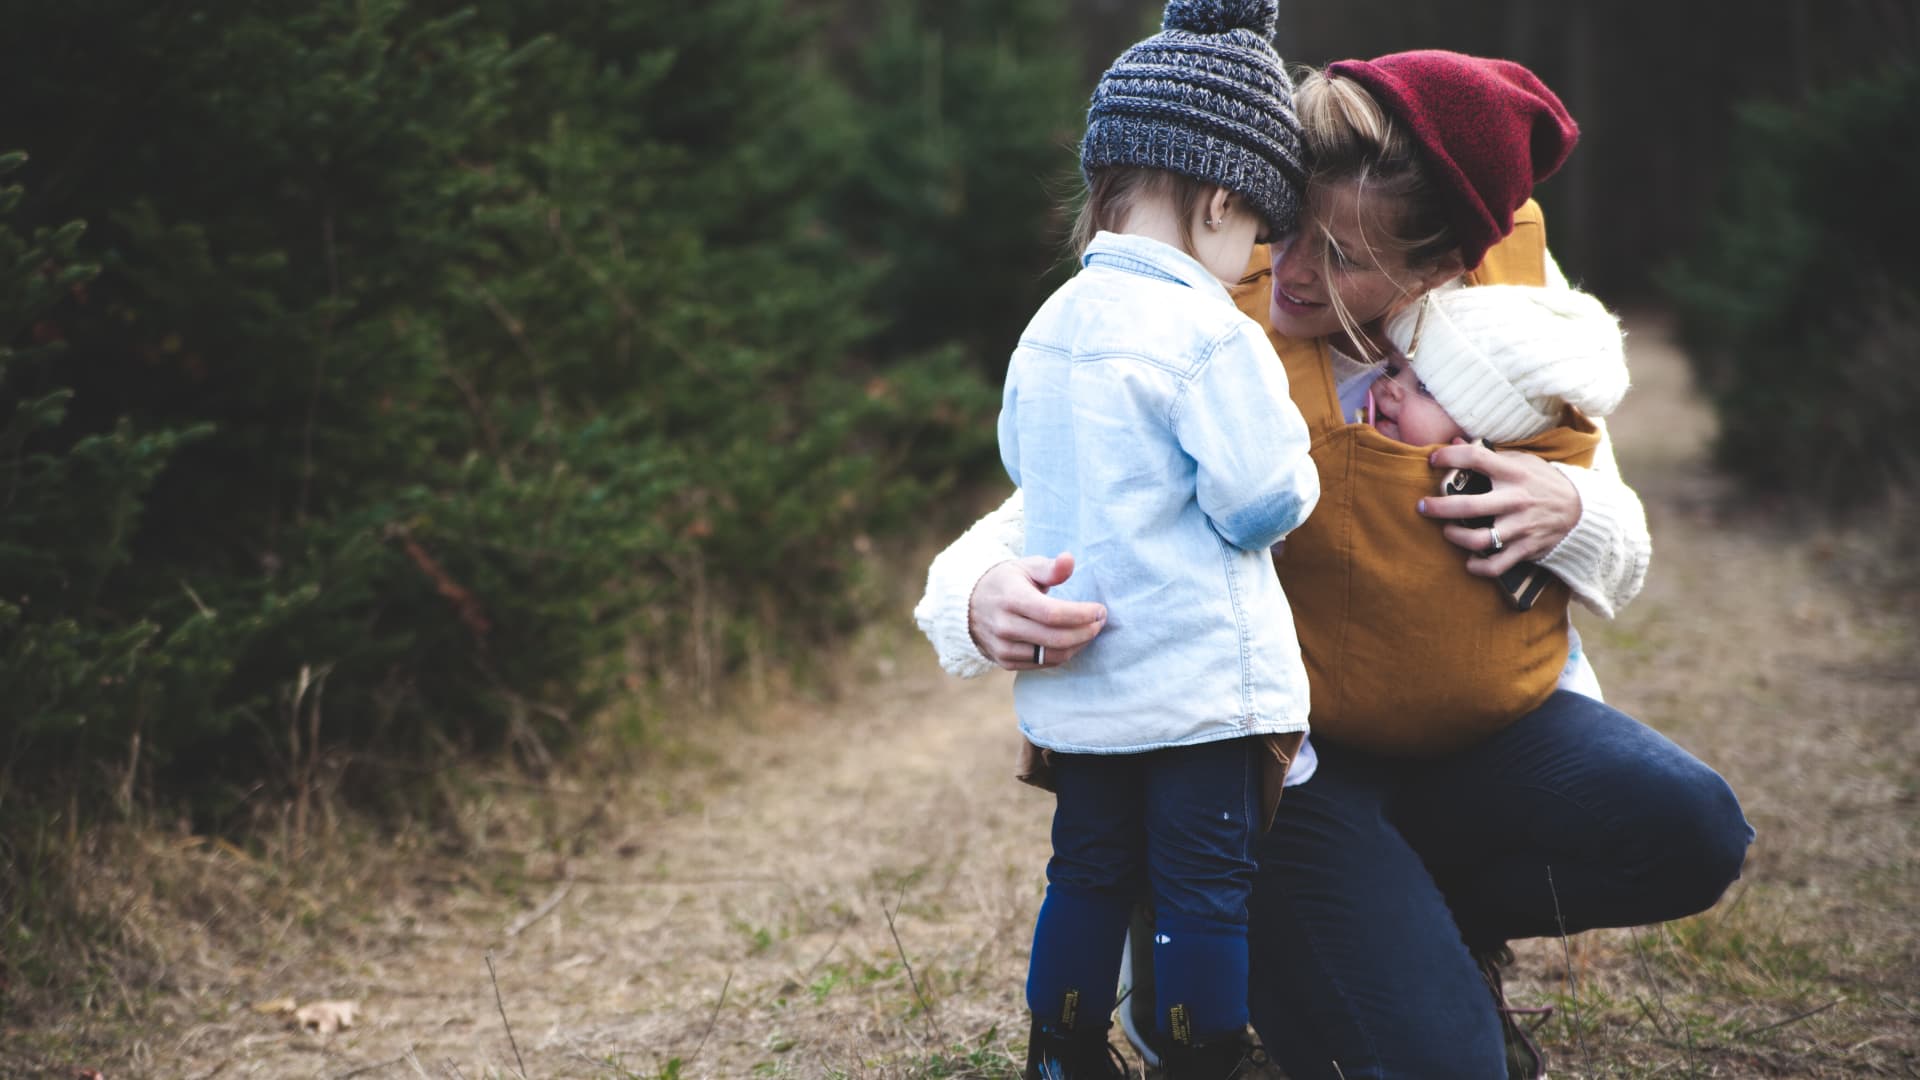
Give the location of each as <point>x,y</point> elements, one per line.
<point>1504,359</point>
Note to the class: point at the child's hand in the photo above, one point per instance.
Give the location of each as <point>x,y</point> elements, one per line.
<point>1533,507</point>
<point>1010,613</point>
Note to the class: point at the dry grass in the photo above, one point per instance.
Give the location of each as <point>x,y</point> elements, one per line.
<point>842,883</point>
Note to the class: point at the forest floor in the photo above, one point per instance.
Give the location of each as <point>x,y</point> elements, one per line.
<point>844,885</point>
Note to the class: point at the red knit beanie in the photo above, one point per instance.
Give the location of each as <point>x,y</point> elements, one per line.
<point>1491,130</point>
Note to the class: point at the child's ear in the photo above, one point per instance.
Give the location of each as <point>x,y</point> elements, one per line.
<point>1217,206</point>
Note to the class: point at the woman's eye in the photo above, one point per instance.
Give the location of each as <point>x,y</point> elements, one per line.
<point>1392,370</point>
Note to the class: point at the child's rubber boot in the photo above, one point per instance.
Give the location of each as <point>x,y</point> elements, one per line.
<point>1059,1052</point>
<point>1232,1057</point>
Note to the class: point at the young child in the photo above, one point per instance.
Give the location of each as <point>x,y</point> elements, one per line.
<point>1398,638</point>
<point>1148,424</point>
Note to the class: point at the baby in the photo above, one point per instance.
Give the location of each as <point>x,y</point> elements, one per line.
<point>1497,362</point>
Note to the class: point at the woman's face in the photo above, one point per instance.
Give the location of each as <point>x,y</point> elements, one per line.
<point>1371,282</point>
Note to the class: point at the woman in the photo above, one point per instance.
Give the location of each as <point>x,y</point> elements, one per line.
<point>1388,883</point>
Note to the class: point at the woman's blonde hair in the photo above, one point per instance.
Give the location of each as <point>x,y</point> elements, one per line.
<point>1351,140</point>
<point>1112,194</point>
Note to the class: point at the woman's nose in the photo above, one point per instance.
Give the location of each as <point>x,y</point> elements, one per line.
<point>1292,257</point>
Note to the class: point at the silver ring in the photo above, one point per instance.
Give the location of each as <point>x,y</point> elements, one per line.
<point>1040,656</point>
<point>1494,547</point>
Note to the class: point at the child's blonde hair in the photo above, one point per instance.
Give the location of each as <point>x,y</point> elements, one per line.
<point>1113,194</point>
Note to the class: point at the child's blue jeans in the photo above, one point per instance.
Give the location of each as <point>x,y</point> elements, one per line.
<point>1178,825</point>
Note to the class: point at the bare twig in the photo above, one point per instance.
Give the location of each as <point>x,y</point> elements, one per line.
<point>511,1041</point>
<point>1573,986</point>
<point>1646,970</point>
<point>1794,1019</point>
<point>198,603</point>
<point>1901,1005</point>
<point>1693,1060</point>
<point>712,1019</point>
<point>1647,1011</point>
<point>926,1008</point>
<point>545,908</point>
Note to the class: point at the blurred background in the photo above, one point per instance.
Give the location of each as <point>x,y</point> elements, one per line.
<point>383,381</point>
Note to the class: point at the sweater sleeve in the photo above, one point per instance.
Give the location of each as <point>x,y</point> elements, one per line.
<point>1604,559</point>
<point>942,610</point>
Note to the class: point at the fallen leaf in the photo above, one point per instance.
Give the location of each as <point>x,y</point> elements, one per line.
<point>326,1017</point>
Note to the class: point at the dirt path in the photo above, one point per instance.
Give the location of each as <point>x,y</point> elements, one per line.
<point>756,915</point>
<point>767,877</point>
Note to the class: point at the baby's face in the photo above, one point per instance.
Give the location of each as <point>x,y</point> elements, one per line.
<point>1405,412</point>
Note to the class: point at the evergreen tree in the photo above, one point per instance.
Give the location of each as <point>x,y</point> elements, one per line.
<point>448,367</point>
<point>1801,309</point>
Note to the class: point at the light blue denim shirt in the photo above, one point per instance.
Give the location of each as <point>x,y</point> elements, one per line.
<point>1147,423</point>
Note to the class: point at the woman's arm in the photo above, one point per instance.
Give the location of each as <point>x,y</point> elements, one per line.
<point>1585,525</point>
<point>985,605</point>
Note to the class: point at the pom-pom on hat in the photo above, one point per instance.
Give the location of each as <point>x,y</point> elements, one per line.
<point>1505,360</point>
<point>1490,129</point>
<point>1207,97</point>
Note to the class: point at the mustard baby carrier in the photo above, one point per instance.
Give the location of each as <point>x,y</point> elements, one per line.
<point>1406,652</point>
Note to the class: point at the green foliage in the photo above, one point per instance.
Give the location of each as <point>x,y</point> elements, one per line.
<point>428,375</point>
<point>974,116</point>
<point>72,658</point>
<point>1802,308</point>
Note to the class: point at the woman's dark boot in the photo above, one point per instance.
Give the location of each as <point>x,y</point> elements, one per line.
<point>1059,1052</point>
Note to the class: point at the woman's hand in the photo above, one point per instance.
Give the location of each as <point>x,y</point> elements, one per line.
<point>1533,507</point>
<point>1010,613</point>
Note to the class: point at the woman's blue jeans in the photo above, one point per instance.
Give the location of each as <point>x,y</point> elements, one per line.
<point>1382,876</point>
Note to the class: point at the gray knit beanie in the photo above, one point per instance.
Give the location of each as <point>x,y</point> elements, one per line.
<point>1206,97</point>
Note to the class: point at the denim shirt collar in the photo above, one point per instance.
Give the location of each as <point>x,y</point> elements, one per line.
<point>1145,255</point>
